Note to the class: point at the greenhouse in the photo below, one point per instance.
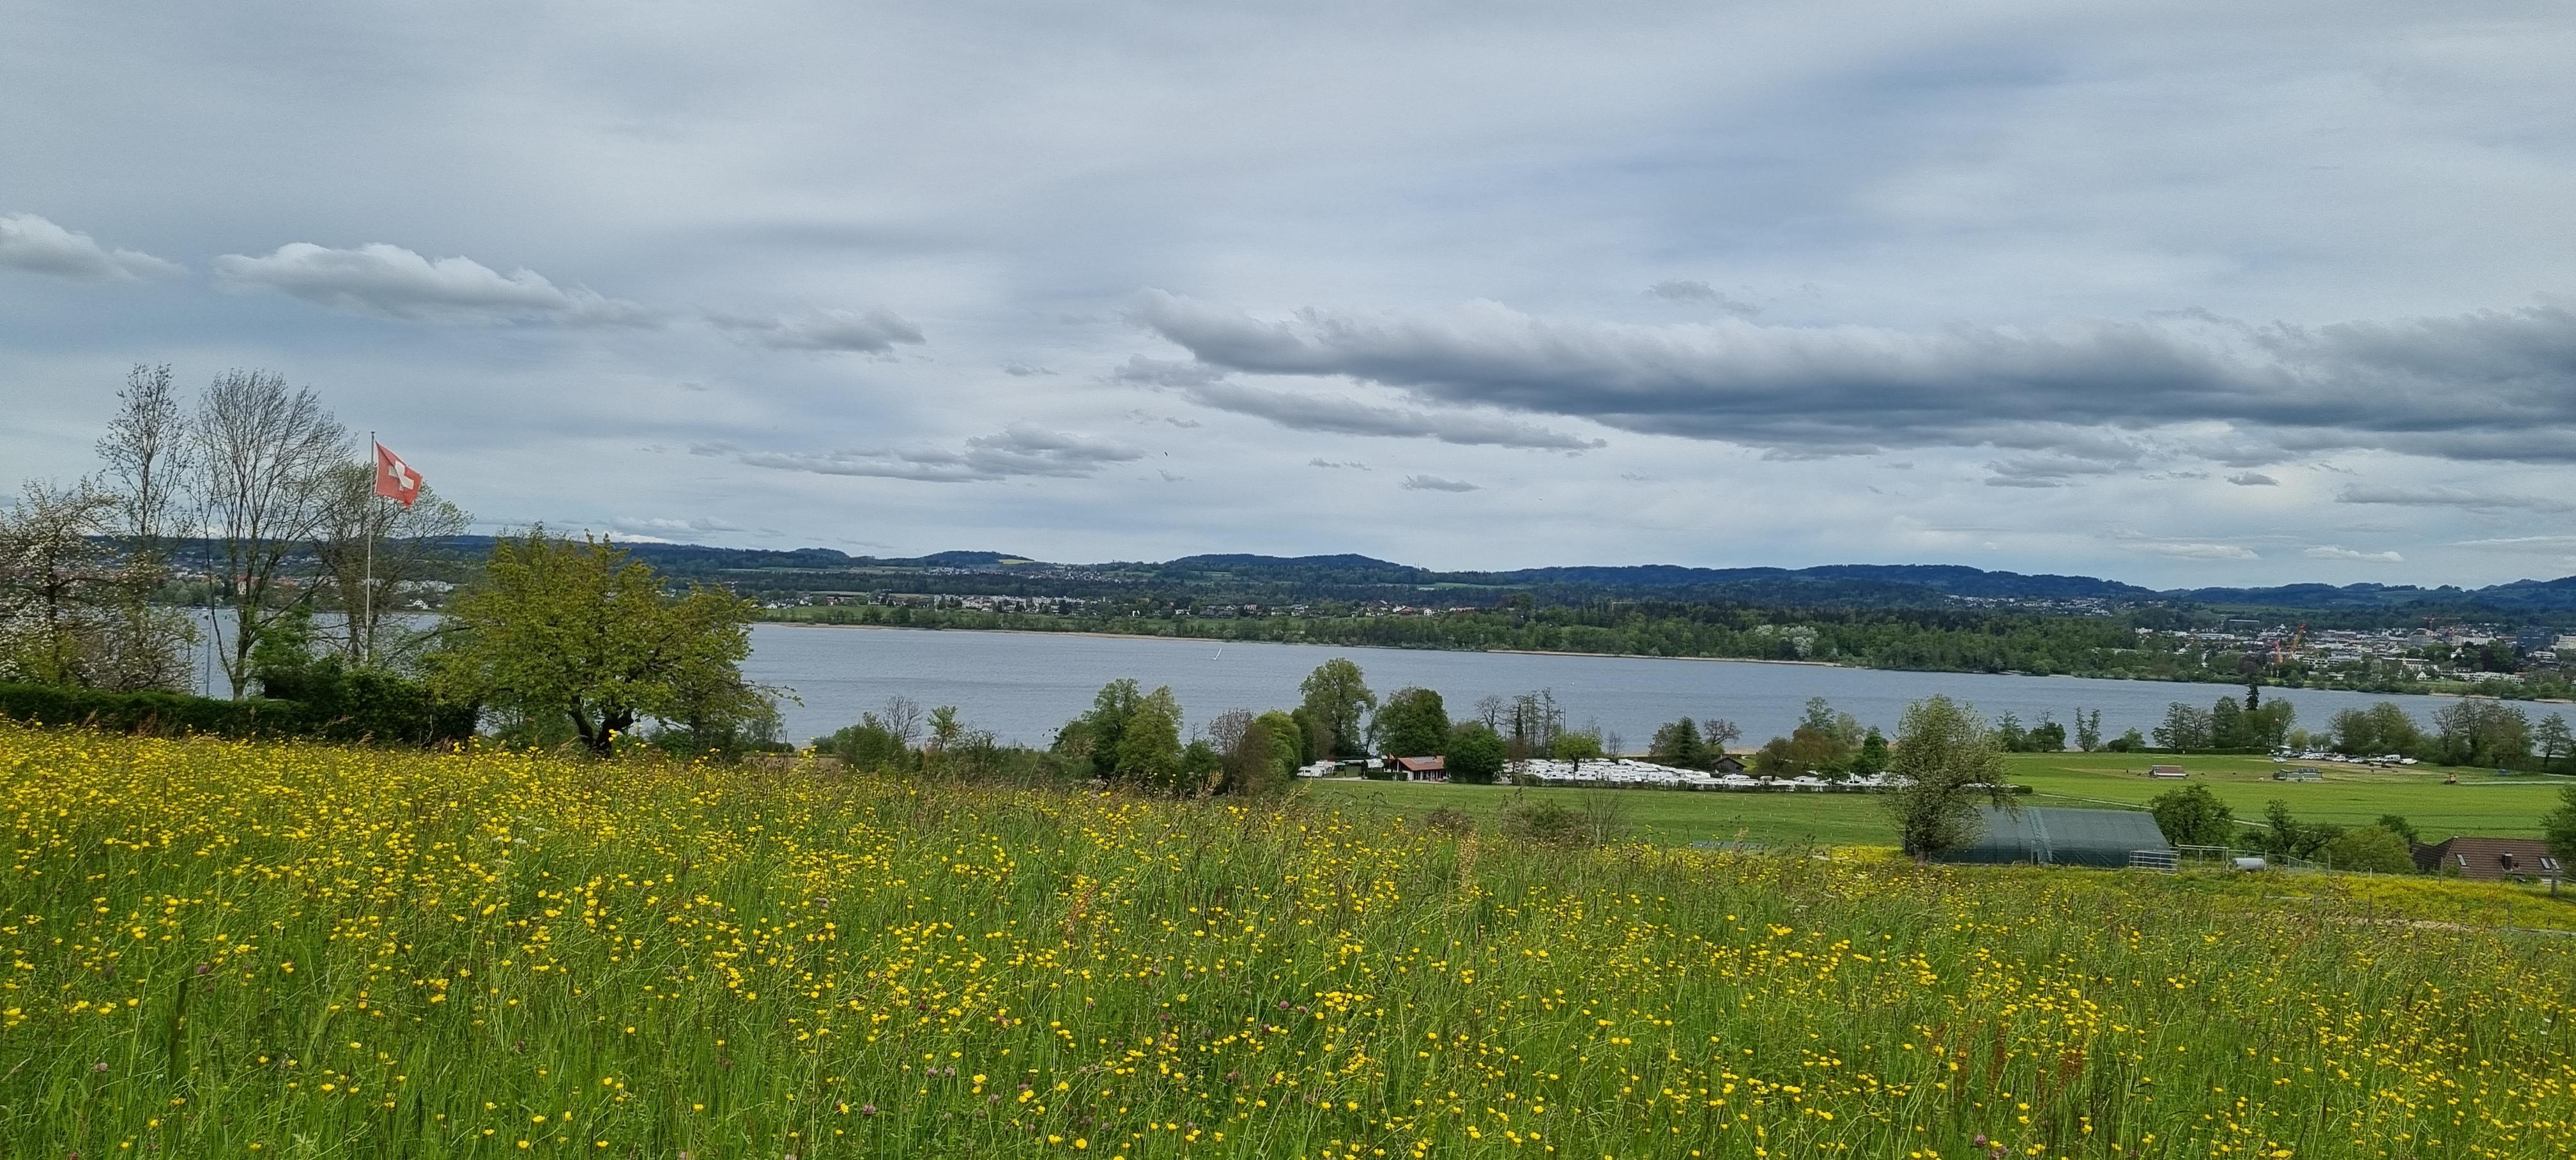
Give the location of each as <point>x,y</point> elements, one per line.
<point>2062,837</point>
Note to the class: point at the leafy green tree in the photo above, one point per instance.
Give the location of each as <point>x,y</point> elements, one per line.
<point>1149,744</point>
<point>1476,753</point>
<point>2552,742</point>
<point>2226,725</point>
<point>2193,816</point>
<point>1095,736</point>
<point>2046,737</point>
<point>1337,703</point>
<point>2009,735</point>
<point>1677,744</point>
<point>2284,835</point>
<point>1945,763</point>
<point>1287,741</point>
<point>1249,751</point>
<point>1309,736</point>
<point>2369,850</point>
<point>1202,769</point>
<point>1576,745</point>
<point>581,632</point>
<point>2382,728</point>
<point>1412,723</point>
<point>2088,730</point>
<point>2127,742</point>
<point>2480,732</point>
<point>1872,758</point>
<point>2398,825</point>
<point>2559,827</point>
<point>868,745</point>
<point>2184,729</point>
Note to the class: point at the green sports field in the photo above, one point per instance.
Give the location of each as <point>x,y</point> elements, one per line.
<point>2481,804</point>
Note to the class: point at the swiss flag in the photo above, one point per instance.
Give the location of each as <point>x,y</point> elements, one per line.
<point>395,480</point>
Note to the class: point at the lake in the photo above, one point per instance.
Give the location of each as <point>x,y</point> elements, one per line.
<point>1023,686</point>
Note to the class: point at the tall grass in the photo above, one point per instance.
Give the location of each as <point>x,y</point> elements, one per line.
<point>229,949</point>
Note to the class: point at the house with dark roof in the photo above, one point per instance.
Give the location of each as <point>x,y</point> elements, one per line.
<point>1725,764</point>
<point>2526,859</point>
<point>1419,768</point>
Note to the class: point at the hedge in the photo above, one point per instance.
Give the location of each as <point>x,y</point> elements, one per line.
<point>402,718</point>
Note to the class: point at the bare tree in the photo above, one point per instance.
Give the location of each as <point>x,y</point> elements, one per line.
<point>903,719</point>
<point>404,543</point>
<point>148,454</point>
<point>148,451</point>
<point>264,456</point>
<point>1717,733</point>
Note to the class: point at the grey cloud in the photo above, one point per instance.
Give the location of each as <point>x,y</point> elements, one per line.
<point>1209,387</point>
<point>2190,550</point>
<point>2530,545</point>
<point>2498,383</point>
<point>1435,483</point>
<point>1156,372</point>
<point>387,281</point>
<point>38,246</point>
<point>1019,450</point>
<point>2253,479</point>
<point>1694,290</point>
<point>2434,495</point>
<point>1344,464</point>
<point>1342,416</point>
<point>1024,370</point>
<point>2045,471</point>
<point>662,526</point>
<point>861,332</point>
<point>2333,552</point>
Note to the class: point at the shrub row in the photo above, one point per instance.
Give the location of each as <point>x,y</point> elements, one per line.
<point>381,709</point>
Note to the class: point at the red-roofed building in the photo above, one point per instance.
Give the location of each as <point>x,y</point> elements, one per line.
<point>1419,768</point>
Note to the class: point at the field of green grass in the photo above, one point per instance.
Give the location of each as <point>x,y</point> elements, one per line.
<point>2482,804</point>
<point>299,951</point>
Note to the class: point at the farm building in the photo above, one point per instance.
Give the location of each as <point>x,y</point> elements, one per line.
<point>2167,772</point>
<point>1726,764</point>
<point>2062,837</point>
<point>1419,768</point>
<point>2490,858</point>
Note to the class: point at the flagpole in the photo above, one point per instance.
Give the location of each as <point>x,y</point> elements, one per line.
<point>367,598</point>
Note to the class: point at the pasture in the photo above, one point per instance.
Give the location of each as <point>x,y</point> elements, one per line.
<point>2350,795</point>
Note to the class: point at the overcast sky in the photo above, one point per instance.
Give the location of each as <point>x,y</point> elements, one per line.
<point>2171,292</point>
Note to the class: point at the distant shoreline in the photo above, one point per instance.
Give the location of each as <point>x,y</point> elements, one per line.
<point>1221,642</point>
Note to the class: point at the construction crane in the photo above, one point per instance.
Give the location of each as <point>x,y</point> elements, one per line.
<point>2281,653</point>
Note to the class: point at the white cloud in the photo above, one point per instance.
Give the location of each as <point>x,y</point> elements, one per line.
<point>865,332</point>
<point>387,281</point>
<point>38,246</point>
<point>1435,483</point>
<point>2332,552</point>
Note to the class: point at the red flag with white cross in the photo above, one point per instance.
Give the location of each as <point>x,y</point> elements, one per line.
<point>395,480</point>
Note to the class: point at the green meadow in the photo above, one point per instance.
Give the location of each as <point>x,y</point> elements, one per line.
<point>2481,803</point>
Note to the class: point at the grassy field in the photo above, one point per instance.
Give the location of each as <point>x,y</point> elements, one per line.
<point>235,949</point>
<point>2482,804</point>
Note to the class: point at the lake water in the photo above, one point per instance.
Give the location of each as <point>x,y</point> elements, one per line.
<point>1023,686</point>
